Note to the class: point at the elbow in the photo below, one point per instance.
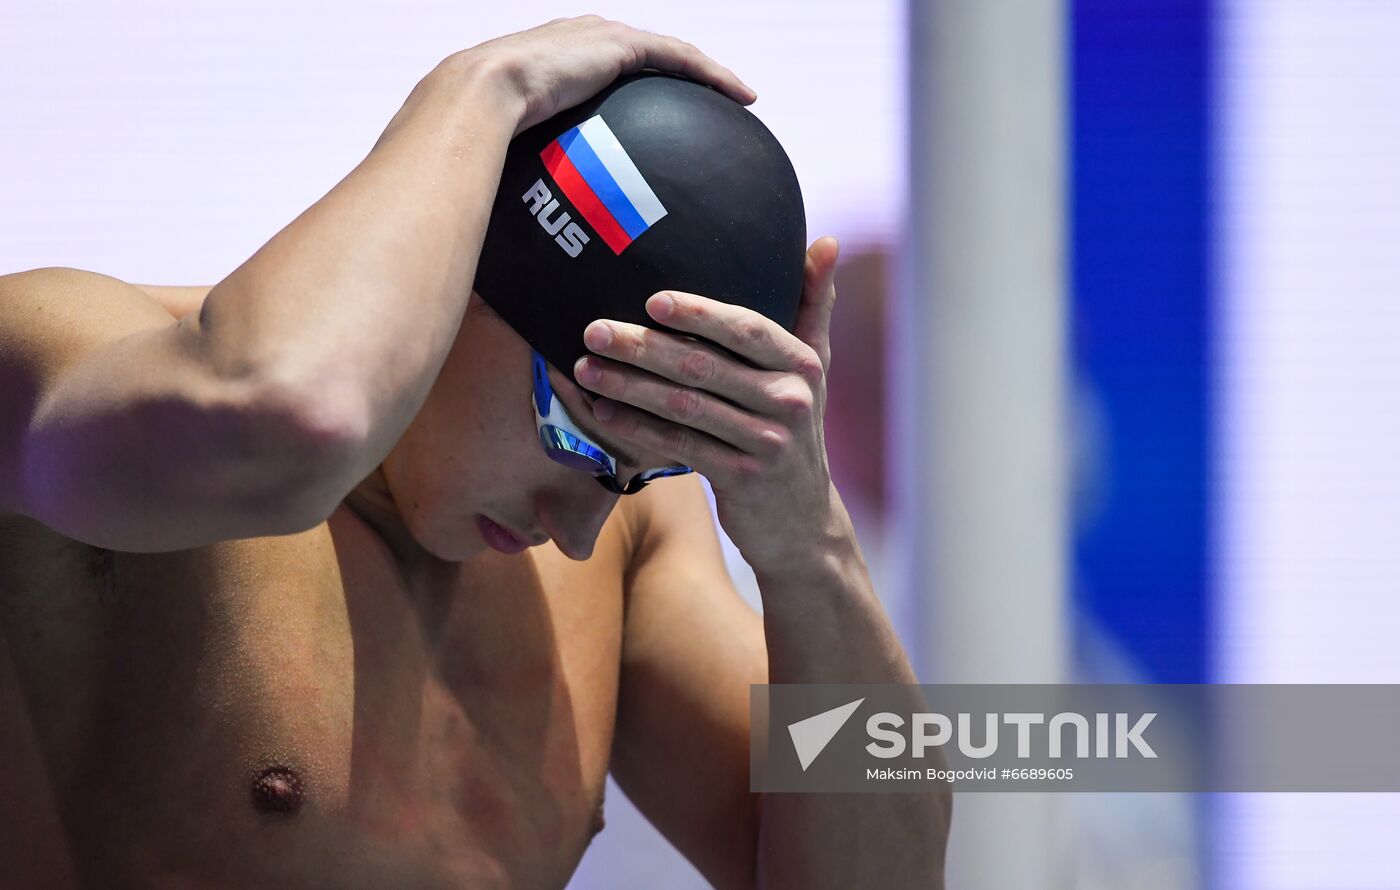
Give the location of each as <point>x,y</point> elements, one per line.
<point>303,449</point>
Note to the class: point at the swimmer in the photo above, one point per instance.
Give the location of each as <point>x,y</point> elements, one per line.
<point>365,565</point>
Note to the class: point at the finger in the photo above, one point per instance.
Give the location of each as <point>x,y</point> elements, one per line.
<point>679,404</point>
<point>679,359</point>
<point>813,325</point>
<point>752,336</point>
<point>672,54</point>
<point>675,442</point>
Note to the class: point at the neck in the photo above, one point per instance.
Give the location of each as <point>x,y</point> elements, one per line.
<point>429,581</point>
<point>372,501</point>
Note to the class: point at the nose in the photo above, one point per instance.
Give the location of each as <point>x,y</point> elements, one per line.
<point>574,517</point>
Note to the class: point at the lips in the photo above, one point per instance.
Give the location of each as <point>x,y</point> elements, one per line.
<point>499,538</point>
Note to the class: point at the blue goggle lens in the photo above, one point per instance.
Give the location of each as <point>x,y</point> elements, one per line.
<point>565,448</point>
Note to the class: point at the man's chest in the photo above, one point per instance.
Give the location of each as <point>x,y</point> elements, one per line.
<point>463,713</point>
<point>486,693</point>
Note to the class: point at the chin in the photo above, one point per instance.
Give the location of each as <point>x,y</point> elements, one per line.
<point>458,543</point>
<point>449,541</point>
<point>456,551</point>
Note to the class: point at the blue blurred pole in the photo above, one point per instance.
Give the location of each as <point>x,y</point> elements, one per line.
<point>979,366</point>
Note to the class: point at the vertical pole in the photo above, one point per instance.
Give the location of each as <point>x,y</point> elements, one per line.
<point>979,370</point>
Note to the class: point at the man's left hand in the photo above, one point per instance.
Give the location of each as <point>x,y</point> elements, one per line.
<point>754,430</point>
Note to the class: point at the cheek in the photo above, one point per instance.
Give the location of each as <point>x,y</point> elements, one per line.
<point>489,456</point>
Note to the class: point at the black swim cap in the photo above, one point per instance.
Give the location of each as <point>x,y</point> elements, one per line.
<point>657,183</point>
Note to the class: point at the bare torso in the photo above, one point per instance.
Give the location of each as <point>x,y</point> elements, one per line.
<point>299,711</point>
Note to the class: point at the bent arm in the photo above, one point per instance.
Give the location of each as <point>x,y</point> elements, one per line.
<point>115,431</point>
<point>693,647</point>
<point>358,300</point>
<point>823,623</point>
<point>283,385</point>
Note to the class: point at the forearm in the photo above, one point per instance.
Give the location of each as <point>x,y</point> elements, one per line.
<point>358,300</point>
<point>822,618</point>
<point>824,624</point>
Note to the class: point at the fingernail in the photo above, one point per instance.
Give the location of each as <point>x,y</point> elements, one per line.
<point>597,335</point>
<point>586,371</point>
<point>661,306</point>
<point>604,410</point>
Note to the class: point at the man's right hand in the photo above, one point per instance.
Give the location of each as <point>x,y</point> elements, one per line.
<point>556,66</point>
<point>560,64</point>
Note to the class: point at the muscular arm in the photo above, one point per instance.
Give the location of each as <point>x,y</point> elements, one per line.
<point>256,413</point>
<point>358,300</point>
<point>290,379</point>
<point>824,623</point>
<point>692,647</point>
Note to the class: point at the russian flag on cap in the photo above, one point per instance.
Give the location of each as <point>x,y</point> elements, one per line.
<point>598,177</point>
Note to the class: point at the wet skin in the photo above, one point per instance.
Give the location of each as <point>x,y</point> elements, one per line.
<point>302,710</point>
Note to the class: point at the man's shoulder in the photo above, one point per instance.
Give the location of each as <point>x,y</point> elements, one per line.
<point>668,511</point>
<point>675,544</point>
<point>63,286</point>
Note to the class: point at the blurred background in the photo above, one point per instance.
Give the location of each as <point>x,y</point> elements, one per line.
<point>1115,395</point>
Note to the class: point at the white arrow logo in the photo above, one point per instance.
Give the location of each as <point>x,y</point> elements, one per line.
<point>811,736</point>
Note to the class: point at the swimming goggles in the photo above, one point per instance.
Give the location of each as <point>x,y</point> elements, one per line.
<point>566,444</point>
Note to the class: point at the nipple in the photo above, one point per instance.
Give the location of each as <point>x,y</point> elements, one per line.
<point>277,789</point>
<point>598,823</point>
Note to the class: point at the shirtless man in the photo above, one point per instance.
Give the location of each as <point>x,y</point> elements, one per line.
<point>260,625</point>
